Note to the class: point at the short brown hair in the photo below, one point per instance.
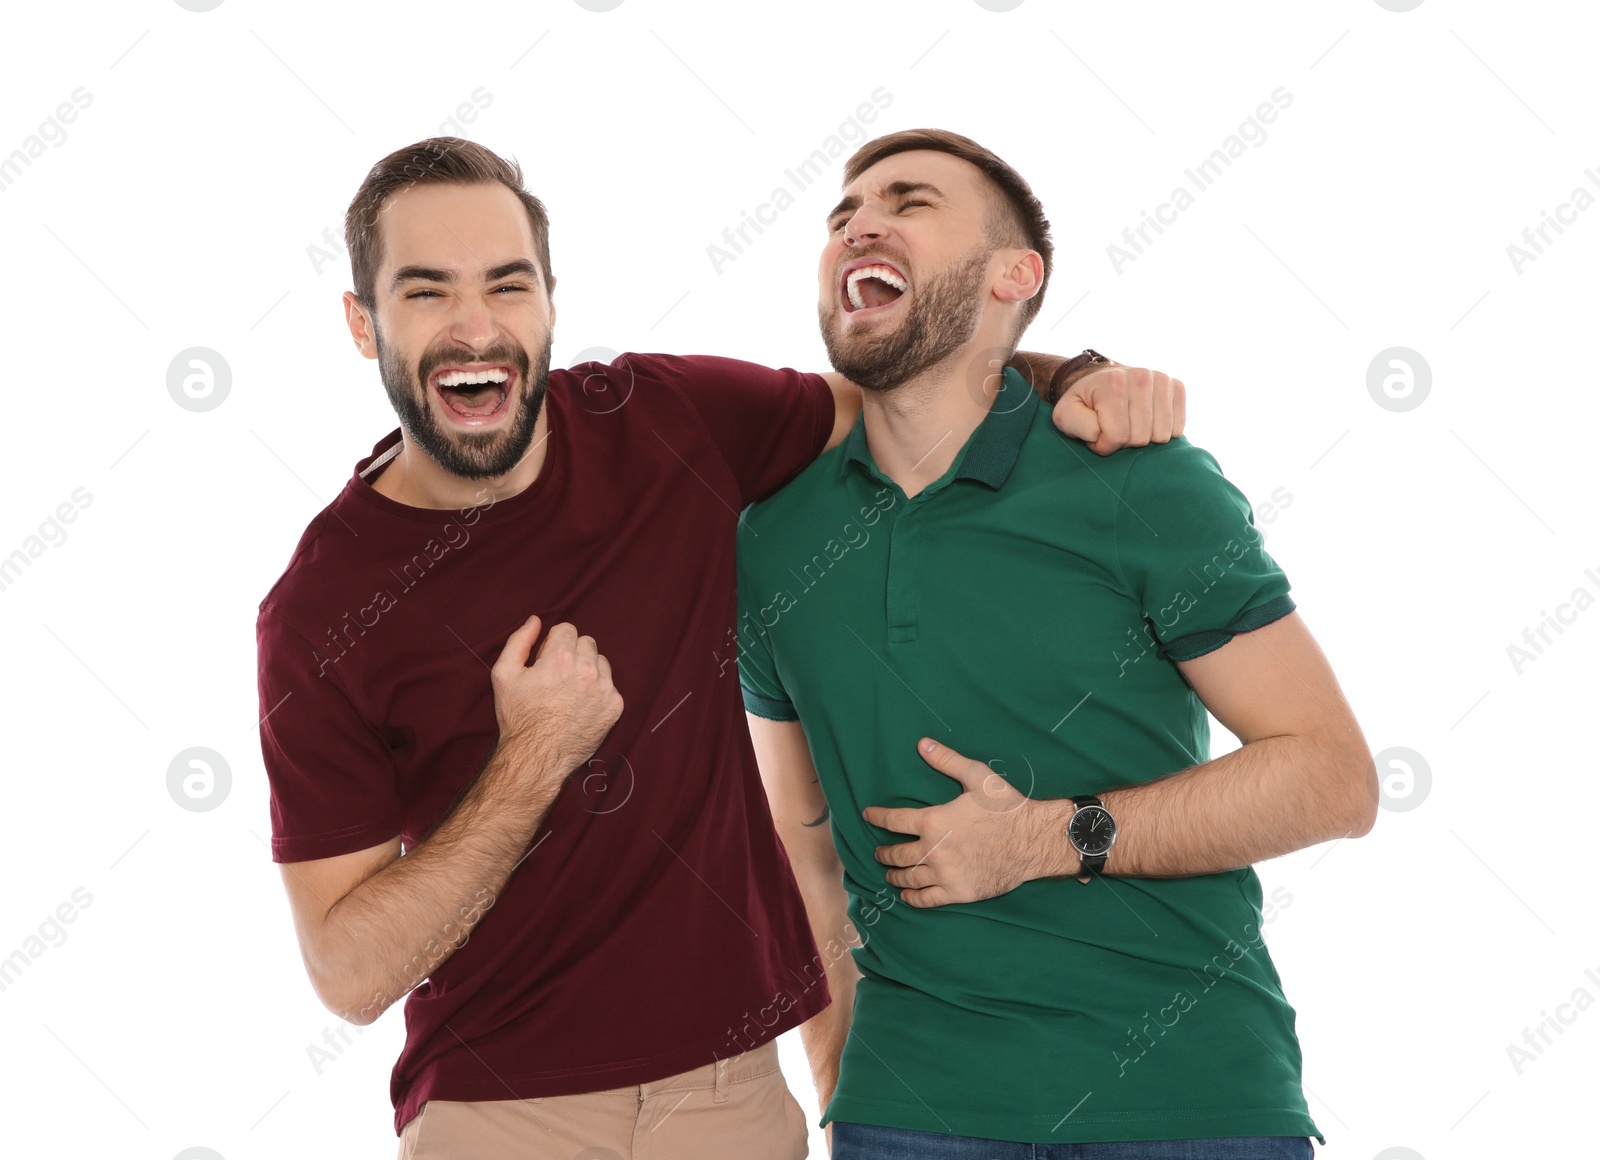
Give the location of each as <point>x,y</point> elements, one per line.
<point>436,161</point>
<point>1021,220</point>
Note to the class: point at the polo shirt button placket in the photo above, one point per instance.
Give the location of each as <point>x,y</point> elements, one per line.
<point>905,550</point>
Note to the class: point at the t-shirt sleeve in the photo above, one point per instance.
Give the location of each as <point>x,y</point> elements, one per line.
<point>764,694</point>
<point>768,425</point>
<point>331,777</point>
<point>1188,546</point>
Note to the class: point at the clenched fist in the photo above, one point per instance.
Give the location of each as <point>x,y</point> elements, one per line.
<point>564,703</point>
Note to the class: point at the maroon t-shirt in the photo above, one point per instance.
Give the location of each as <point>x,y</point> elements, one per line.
<point>654,925</point>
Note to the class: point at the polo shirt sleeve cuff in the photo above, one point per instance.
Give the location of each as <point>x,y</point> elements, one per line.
<point>1197,644</point>
<point>767,707</point>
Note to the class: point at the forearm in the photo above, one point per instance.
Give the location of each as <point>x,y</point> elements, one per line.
<point>1270,797</point>
<point>399,925</point>
<point>846,407</point>
<point>800,816</point>
<point>1038,369</point>
<point>824,1034</point>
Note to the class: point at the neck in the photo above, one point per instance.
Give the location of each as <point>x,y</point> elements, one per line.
<point>916,430</point>
<point>415,479</point>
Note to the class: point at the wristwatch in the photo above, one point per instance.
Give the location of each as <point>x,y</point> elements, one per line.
<point>1091,830</point>
<point>1058,381</point>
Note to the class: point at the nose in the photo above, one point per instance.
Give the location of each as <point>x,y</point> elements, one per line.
<point>865,225</point>
<point>474,325</point>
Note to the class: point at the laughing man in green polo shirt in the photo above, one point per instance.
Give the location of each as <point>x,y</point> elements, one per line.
<point>1026,968</point>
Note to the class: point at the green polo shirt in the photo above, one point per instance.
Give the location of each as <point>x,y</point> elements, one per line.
<point>1026,609</point>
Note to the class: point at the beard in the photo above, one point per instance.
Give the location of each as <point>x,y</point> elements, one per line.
<point>469,454</point>
<point>944,316</point>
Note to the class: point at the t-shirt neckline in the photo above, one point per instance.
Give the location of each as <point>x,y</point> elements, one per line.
<point>389,447</point>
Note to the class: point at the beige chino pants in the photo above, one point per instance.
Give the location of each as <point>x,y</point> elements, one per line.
<point>735,1109</point>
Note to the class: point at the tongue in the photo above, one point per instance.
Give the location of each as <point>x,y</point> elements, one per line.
<point>876,292</point>
<point>473,400</point>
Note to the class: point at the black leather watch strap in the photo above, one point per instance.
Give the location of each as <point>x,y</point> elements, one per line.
<point>1091,864</point>
<point>1058,381</point>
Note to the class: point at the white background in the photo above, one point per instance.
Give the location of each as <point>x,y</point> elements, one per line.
<point>1377,212</point>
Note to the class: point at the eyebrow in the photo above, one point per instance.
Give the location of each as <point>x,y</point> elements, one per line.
<point>894,189</point>
<point>434,274</point>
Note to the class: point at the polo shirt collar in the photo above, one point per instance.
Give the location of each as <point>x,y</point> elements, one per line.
<point>992,449</point>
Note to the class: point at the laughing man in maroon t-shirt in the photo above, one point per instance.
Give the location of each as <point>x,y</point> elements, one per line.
<point>595,823</point>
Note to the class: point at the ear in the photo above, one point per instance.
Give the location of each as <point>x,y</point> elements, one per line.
<point>360,323</point>
<point>551,295</point>
<point>1022,277</point>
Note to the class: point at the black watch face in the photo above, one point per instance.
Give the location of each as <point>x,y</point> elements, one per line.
<point>1091,830</point>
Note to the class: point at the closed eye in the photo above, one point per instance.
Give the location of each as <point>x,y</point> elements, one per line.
<point>838,223</point>
<point>435,293</point>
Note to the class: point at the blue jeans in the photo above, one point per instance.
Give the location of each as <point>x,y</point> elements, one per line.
<point>875,1142</point>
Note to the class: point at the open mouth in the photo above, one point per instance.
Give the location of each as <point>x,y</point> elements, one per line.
<point>473,394</point>
<point>871,285</point>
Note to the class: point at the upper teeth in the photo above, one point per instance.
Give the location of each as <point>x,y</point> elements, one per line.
<point>469,378</point>
<point>883,273</point>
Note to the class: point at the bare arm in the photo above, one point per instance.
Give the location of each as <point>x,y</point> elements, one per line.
<point>846,406</point>
<point>373,924</point>
<point>1303,775</point>
<point>801,815</point>
<point>1039,368</point>
<point>1108,406</point>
